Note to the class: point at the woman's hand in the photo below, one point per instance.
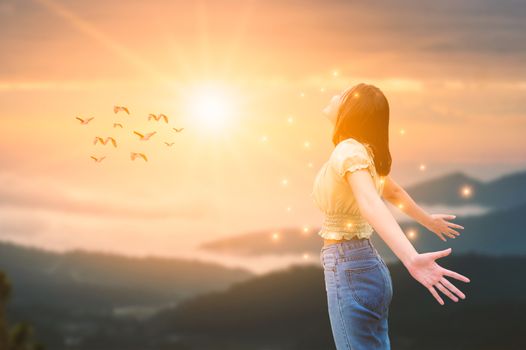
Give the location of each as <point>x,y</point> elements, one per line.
<point>425,270</point>
<point>437,223</point>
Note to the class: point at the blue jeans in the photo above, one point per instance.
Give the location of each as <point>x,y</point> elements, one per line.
<point>359,292</point>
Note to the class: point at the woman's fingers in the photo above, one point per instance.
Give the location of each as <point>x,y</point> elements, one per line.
<point>435,294</point>
<point>454,225</point>
<point>446,292</point>
<point>455,275</point>
<point>452,287</point>
<point>454,232</point>
<point>449,234</point>
<point>440,253</point>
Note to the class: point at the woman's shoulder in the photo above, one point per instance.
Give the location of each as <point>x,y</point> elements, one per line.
<point>350,154</point>
<point>350,146</point>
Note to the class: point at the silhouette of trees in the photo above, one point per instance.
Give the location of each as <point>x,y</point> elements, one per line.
<point>5,291</point>
<point>20,336</point>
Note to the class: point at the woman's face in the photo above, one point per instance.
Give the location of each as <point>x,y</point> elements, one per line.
<point>331,110</point>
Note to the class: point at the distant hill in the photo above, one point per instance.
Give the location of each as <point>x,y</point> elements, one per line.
<point>497,232</point>
<point>287,310</point>
<point>500,231</point>
<point>288,307</point>
<point>504,192</point>
<point>100,282</point>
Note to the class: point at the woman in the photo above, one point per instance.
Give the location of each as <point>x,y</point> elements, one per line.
<point>348,189</point>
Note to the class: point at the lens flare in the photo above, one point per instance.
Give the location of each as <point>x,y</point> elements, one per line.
<point>211,105</point>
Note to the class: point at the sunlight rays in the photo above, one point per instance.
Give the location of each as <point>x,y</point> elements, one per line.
<point>88,29</point>
<point>202,29</point>
<point>240,33</point>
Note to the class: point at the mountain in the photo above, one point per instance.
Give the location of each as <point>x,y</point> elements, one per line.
<point>497,232</point>
<point>504,192</point>
<point>287,309</point>
<point>99,282</point>
<point>500,231</point>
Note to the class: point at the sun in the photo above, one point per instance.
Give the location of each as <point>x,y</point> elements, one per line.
<point>210,104</point>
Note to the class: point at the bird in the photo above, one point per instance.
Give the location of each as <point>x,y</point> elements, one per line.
<point>145,137</point>
<point>157,118</point>
<point>169,144</point>
<point>134,155</point>
<point>84,121</point>
<point>116,109</point>
<point>104,142</point>
<point>178,130</point>
<point>98,160</point>
<point>117,124</point>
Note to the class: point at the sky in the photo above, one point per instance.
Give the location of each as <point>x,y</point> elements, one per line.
<point>247,81</point>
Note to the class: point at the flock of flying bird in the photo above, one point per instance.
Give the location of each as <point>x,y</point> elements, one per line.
<point>142,136</point>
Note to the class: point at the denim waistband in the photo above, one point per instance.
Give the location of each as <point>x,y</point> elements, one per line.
<point>346,245</point>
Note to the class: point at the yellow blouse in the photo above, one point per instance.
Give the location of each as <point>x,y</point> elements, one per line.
<point>333,195</point>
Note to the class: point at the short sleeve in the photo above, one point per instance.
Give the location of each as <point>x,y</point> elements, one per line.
<point>350,156</point>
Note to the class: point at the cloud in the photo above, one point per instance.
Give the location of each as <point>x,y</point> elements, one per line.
<point>7,8</point>
<point>407,38</point>
<point>12,225</point>
<point>27,193</point>
<point>66,85</point>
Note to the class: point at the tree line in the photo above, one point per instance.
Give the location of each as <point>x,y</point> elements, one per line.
<point>19,336</point>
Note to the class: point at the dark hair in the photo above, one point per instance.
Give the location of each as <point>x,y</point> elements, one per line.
<point>363,115</point>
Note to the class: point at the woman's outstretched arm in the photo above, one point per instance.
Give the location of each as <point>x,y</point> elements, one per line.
<point>421,266</point>
<point>436,223</point>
